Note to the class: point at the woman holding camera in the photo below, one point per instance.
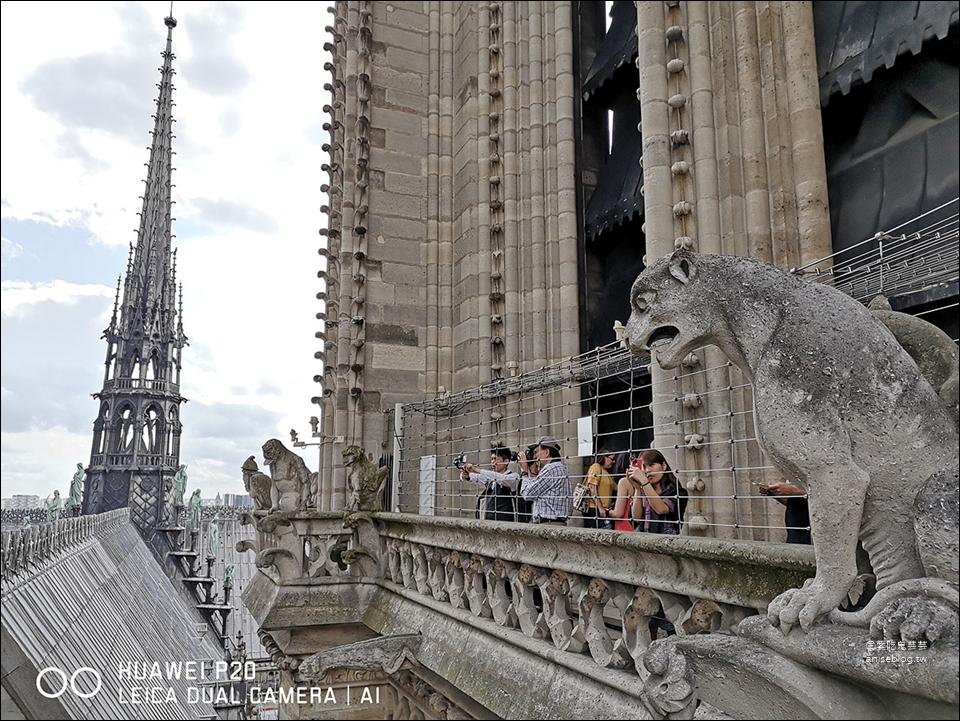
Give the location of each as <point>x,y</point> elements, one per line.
<point>649,499</point>
<point>655,507</point>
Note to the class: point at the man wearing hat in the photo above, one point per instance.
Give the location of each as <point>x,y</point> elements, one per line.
<point>550,489</point>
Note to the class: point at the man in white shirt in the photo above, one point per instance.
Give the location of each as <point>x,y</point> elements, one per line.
<point>499,485</point>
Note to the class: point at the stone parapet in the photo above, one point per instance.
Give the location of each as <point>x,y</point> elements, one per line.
<point>493,602</point>
<point>737,573</point>
<point>525,621</point>
<point>28,548</point>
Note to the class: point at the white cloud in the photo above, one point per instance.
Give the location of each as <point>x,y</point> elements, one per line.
<point>246,198</point>
<point>38,461</point>
<point>18,298</point>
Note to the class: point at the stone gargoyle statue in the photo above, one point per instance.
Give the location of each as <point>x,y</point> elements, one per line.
<point>385,654</point>
<point>259,485</point>
<point>842,409</point>
<point>294,486</point>
<point>365,480</point>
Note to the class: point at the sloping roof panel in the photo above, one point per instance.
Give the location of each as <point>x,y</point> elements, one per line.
<point>855,38</point>
<point>618,46</point>
<point>617,196</point>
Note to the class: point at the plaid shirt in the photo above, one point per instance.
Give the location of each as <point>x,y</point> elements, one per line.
<point>551,491</point>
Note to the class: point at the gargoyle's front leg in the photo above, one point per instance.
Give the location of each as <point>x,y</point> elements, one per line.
<point>836,511</point>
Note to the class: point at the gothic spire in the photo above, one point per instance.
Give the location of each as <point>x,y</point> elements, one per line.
<point>136,437</point>
<point>112,328</point>
<point>149,294</point>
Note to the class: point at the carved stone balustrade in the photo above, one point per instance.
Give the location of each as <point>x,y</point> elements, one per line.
<point>501,606</point>
<point>586,592</point>
<point>452,618</point>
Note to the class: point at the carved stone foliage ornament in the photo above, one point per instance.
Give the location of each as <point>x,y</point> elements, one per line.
<point>385,653</point>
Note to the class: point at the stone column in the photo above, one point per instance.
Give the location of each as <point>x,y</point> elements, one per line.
<point>467,268</point>
<point>733,163</point>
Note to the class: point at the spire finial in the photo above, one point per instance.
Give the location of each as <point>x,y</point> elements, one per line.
<point>116,305</point>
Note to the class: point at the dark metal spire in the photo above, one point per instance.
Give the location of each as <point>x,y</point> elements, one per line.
<point>149,302</point>
<point>136,437</point>
<point>112,328</point>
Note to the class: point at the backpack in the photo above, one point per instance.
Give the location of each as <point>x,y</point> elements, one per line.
<point>581,498</point>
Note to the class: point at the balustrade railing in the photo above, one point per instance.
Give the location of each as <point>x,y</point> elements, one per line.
<point>583,591</point>
<point>141,459</point>
<point>146,384</point>
<point>27,549</point>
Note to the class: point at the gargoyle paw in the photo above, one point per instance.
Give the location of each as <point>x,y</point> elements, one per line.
<point>802,606</point>
<point>915,619</point>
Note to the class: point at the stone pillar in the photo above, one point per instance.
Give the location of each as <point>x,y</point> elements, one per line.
<point>733,163</point>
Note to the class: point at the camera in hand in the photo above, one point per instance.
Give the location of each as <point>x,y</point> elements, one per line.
<point>460,461</point>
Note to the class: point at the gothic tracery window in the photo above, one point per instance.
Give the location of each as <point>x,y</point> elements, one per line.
<point>151,433</point>
<point>125,425</point>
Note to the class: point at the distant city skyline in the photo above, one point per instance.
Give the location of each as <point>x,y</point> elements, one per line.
<point>76,115</point>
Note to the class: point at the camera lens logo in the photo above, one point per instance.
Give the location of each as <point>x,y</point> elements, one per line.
<point>53,682</point>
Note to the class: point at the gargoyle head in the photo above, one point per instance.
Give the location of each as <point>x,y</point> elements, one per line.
<point>666,313</point>
<point>273,451</point>
<point>352,454</point>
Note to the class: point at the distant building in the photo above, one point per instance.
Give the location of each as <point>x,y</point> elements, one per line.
<point>22,502</point>
<point>237,499</point>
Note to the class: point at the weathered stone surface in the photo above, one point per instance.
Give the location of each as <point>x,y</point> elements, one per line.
<point>841,408</point>
<point>934,352</point>
<point>383,653</point>
<point>910,675</point>
<point>364,479</point>
<point>392,334</point>
<point>747,679</point>
<point>394,357</point>
<point>294,486</point>
<point>938,524</point>
<point>498,667</point>
<point>736,572</point>
<point>326,601</point>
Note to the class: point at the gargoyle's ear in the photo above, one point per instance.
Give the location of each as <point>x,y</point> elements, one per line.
<point>682,266</point>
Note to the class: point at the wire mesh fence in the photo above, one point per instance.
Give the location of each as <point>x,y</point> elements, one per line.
<point>915,264</point>
<point>602,402</point>
<point>607,401</point>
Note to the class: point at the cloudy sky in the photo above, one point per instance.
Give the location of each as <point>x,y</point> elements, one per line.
<point>79,85</point>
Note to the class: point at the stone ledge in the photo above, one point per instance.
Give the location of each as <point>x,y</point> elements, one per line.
<point>742,573</point>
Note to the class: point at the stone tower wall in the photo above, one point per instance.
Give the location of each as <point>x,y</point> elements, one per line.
<point>452,148</point>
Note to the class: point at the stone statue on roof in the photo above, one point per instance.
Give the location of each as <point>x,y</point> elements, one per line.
<point>179,485</point>
<point>54,505</point>
<point>214,533</point>
<point>75,499</point>
<point>194,506</point>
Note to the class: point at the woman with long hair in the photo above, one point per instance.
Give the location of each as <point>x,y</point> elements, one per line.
<point>655,507</point>
<point>601,488</point>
